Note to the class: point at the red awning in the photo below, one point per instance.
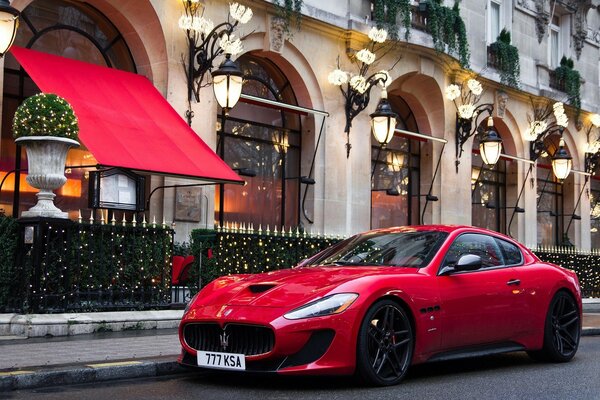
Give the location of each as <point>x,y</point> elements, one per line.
<point>124,121</point>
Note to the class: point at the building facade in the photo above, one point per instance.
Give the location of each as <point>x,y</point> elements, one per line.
<point>303,172</point>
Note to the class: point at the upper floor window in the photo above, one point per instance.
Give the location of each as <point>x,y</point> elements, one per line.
<point>555,43</point>
<point>495,20</point>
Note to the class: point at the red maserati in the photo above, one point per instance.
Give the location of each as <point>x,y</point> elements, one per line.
<point>380,301</point>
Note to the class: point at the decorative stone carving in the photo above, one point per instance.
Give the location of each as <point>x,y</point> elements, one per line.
<point>277,34</point>
<point>501,102</point>
<point>542,19</point>
<point>580,26</point>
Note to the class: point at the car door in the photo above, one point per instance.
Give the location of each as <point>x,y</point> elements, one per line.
<point>477,306</point>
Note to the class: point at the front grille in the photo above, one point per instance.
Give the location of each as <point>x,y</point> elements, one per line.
<point>250,340</point>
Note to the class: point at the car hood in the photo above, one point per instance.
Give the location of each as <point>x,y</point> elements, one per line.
<point>289,287</point>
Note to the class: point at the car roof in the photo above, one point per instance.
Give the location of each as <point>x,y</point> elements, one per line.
<point>442,228</point>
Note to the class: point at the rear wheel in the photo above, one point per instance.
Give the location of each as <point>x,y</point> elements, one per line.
<point>385,344</point>
<point>562,330</point>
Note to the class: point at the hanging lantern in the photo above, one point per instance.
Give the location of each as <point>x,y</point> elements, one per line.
<point>9,22</point>
<point>561,162</point>
<point>227,84</point>
<point>383,120</point>
<point>490,145</point>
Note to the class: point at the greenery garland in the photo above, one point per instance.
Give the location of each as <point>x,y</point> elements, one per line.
<point>9,232</point>
<point>386,13</point>
<point>448,30</point>
<point>45,114</point>
<point>567,74</point>
<point>289,10</point>
<point>507,57</point>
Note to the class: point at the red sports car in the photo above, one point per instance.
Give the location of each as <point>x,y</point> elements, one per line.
<point>382,300</point>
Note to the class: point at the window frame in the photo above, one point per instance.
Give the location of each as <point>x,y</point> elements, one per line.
<point>502,265</point>
<point>491,38</point>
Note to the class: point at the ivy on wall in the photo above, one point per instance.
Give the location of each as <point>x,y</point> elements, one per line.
<point>291,12</point>
<point>507,59</point>
<point>448,30</point>
<point>387,12</point>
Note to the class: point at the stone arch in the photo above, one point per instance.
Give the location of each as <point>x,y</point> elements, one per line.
<point>142,30</point>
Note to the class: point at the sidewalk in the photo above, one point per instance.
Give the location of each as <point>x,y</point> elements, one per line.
<point>51,361</point>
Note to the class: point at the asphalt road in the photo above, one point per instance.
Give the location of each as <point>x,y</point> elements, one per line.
<point>508,376</point>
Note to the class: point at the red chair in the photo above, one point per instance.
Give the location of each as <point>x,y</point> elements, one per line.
<point>181,269</point>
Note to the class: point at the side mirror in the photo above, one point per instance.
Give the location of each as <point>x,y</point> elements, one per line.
<point>468,262</point>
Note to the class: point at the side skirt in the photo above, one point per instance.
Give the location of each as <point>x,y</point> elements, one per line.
<point>477,351</point>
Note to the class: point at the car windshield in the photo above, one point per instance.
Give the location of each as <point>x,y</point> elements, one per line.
<point>403,249</point>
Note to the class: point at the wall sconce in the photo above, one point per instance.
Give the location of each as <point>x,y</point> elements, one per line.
<point>539,130</point>
<point>9,22</point>
<point>357,90</point>
<point>467,119</point>
<point>206,42</point>
<point>383,120</point>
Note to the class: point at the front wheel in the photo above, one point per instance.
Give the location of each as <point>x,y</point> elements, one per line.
<point>385,344</point>
<point>562,330</point>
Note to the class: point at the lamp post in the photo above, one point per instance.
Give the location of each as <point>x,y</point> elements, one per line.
<point>9,22</point>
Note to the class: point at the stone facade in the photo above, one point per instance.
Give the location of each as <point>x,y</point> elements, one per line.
<point>340,201</point>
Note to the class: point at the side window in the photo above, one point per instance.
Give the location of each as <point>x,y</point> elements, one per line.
<point>479,245</point>
<point>512,254</point>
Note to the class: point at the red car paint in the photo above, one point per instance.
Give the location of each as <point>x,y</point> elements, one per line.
<point>448,313</point>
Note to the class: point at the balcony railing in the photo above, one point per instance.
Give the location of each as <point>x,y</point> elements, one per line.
<point>492,59</point>
<point>418,19</point>
<point>556,83</point>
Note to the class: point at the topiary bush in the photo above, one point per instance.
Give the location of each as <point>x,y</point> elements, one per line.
<point>507,59</point>
<point>45,114</point>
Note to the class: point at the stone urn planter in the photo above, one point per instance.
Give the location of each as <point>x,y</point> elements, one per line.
<point>46,157</point>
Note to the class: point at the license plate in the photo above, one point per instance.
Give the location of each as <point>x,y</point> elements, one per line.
<point>209,359</point>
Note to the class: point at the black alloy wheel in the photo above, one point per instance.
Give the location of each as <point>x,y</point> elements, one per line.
<point>562,330</point>
<point>385,344</point>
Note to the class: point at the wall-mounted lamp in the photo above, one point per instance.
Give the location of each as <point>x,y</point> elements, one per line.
<point>467,119</point>
<point>9,22</point>
<point>357,92</point>
<point>383,120</point>
<point>539,129</point>
<point>206,42</point>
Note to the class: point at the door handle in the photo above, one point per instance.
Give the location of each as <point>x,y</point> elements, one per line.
<point>514,282</point>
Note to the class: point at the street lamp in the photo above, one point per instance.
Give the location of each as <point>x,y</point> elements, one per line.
<point>383,120</point>
<point>227,84</point>
<point>490,145</point>
<point>467,120</point>
<point>539,129</point>
<point>9,22</point>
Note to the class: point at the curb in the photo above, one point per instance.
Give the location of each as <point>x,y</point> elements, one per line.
<point>87,374</point>
<point>590,331</point>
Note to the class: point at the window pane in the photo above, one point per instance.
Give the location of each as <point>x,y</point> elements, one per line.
<point>512,254</point>
<point>554,48</point>
<point>479,245</point>
<point>494,21</point>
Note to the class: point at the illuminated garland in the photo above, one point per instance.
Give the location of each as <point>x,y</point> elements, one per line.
<point>45,115</point>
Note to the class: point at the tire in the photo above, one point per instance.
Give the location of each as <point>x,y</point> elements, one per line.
<point>562,330</point>
<point>385,344</point>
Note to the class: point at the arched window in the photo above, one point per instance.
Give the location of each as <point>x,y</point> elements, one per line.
<point>266,141</point>
<point>71,29</point>
<point>395,170</point>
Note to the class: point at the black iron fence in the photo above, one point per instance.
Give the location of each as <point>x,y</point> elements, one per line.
<point>62,265</point>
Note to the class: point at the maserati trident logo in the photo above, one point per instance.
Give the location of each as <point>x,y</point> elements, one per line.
<point>224,339</point>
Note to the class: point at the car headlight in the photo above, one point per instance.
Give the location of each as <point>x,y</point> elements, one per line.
<point>333,304</point>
